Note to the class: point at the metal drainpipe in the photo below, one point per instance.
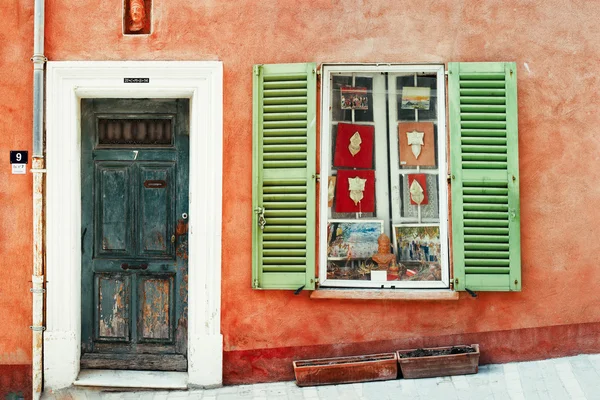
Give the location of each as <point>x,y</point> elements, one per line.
<point>38,171</point>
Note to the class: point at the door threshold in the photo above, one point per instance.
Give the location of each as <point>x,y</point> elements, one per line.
<point>127,379</point>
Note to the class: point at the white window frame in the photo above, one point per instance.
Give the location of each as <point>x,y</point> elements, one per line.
<point>381,191</point>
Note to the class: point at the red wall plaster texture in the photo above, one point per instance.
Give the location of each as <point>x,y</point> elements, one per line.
<point>556,45</point>
<point>16,76</point>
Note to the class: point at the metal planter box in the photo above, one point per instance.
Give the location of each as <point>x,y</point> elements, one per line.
<point>439,365</point>
<point>327,371</point>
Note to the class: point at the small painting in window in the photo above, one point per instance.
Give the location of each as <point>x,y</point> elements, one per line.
<point>354,98</point>
<point>415,98</point>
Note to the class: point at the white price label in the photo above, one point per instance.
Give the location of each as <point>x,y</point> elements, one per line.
<point>19,169</point>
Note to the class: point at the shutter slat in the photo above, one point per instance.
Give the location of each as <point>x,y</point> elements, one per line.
<point>485,239</point>
<point>483,157</point>
<point>483,124</point>
<point>283,268</point>
<point>485,215</point>
<point>286,140</point>
<point>289,132</point>
<point>268,156</point>
<point>485,231</point>
<point>480,116</point>
<point>485,199</point>
<point>483,141</point>
<point>284,164</point>
<point>483,133</point>
<point>285,229</point>
<point>283,237</point>
<point>285,108</point>
<point>482,100</point>
<point>488,83</point>
<point>484,163</point>
<point>284,76</point>
<point>286,100</point>
<point>285,84</point>
<point>487,270</point>
<point>487,254</point>
<point>283,252</point>
<point>284,189</point>
<point>291,205</point>
<point>284,161</point>
<point>287,93</point>
<point>285,124</point>
<point>288,221</point>
<point>273,244</point>
<point>483,92</point>
<point>488,223</point>
<point>482,108</point>
<point>486,246</point>
<point>285,116</point>
<point>284,260</point>
<point>484,262</point>
<point>485,191</point>
<point>479,76</point>
<point>485,207</point>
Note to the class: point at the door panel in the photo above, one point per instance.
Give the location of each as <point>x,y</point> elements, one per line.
<point>157,190</point>
<point>113,204</point>
<point>113,295</point>
<point>156,306</point>
<point>134,242</point>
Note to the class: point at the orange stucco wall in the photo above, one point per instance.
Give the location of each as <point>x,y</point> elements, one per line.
<point>556,45</point>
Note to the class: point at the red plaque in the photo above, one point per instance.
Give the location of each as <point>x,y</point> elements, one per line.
<point>354,146</point>
<point>356,200</point>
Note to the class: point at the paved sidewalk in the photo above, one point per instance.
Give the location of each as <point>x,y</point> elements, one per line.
<point>560,378</point>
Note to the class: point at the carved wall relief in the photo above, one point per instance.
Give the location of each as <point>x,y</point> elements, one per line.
<point>137,17</point>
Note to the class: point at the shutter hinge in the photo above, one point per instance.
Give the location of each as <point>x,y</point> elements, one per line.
<point>258,70</point>
<point>446,73</point>
<point>317,177</point>
<point>451,285</point>
<point>255,284</point>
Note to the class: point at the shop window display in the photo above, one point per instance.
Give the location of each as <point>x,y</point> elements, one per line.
<point>383,144</point>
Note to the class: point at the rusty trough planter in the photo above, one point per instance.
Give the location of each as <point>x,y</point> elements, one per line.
<point>327,371</point>
<point>441,365</point>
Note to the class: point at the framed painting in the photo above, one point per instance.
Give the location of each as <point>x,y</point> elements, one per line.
<point>352,239</point>
<point>418,251</point>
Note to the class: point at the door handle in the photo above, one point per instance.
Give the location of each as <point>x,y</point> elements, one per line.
<point>126,266</point>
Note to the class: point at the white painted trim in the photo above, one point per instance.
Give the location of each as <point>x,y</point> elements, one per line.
<point>67,83</point>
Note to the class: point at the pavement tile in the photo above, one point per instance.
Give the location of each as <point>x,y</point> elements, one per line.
<point>310,393</point>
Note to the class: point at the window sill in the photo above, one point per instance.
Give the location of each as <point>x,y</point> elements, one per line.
<point>378,294</point>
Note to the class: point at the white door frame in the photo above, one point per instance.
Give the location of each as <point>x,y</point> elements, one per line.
<point>67,83</point>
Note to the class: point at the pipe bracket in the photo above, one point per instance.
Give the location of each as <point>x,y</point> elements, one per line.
<point>34,290</point>
<point>39,59</point>
<point>37,328</point>
<point>38,170</point>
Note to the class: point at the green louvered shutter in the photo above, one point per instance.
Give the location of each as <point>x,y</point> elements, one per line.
<point>284,176</point>
<point>486,242</point>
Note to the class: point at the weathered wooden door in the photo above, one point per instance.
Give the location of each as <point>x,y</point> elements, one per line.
<point>134,196</point>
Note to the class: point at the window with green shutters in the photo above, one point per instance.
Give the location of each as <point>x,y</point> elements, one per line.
<point>388,112</point>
